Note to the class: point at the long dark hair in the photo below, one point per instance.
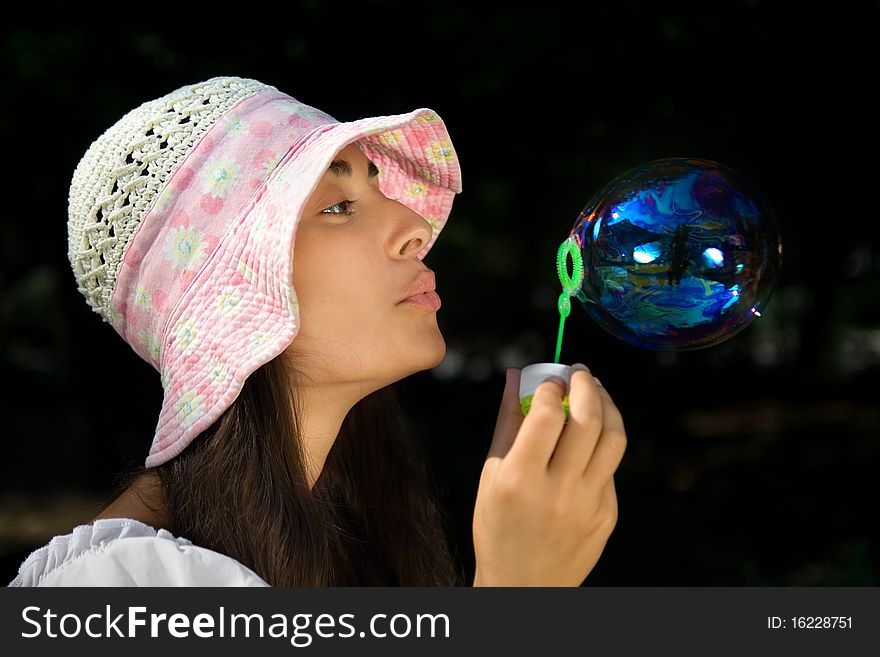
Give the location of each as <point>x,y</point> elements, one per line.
<point>241,488</point>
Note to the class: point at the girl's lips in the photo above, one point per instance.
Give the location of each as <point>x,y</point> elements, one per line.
<point>424,282</point>
<point>428,300</point>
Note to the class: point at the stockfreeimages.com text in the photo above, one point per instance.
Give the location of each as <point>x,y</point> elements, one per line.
<point>136,622</point>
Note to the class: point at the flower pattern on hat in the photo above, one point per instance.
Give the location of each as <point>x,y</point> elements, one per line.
<point>142,297</point>
<point>417,189</point>
<point>217,371</point>
<point>436,225</point>
<point>164,200</point>
<point>265,162</point>
<point>440,151</point>
<point>260,340</point>
<point>237,126</point>
<point>150,344</point>
<point>391,138</point>
<point>228,301</point>
<point>186,338</point>
<point>189,408</point>
<point>185,248</point>
<point>219,177</point>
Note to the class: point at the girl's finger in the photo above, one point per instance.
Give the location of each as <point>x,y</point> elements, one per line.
<point>610,446</point>
<point>579,437</point>
<point>540,429</point>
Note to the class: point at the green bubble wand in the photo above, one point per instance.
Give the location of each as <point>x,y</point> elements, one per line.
<point>571,283</point>
<point>571,287</point>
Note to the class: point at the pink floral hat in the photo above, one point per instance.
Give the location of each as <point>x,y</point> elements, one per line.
<point>182,220</point>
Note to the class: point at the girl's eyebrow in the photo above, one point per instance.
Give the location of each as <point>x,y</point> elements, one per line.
<point>343,168</point>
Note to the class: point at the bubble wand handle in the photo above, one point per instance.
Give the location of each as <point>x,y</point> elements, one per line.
<point>571,283</point>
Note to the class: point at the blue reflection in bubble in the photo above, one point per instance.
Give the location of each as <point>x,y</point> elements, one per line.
<point>679,254</point>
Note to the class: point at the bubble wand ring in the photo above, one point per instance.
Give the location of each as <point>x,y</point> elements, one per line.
<point>571,283</point>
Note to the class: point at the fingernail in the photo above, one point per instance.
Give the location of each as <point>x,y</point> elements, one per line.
<point>558,380</point>
<point>579,367</point>
<point>598,382</point>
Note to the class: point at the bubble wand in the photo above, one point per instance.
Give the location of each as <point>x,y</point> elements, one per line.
<point>571,283</point>
<point>532,375</point>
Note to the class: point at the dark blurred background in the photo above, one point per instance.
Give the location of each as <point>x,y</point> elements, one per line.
<point>754,462</point>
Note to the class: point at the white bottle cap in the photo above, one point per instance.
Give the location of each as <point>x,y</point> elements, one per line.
<point>533,375</point>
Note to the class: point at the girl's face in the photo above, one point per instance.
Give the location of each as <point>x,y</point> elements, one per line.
<point>354,259</point>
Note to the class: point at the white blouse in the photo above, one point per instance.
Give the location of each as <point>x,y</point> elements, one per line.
<point>127,552</point>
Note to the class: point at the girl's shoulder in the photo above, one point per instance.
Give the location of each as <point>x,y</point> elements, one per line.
<point>127,552</point>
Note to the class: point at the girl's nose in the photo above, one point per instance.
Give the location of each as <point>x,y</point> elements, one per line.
<point>412,231</point>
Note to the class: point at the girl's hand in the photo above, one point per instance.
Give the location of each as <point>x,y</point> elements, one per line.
<point>546,503</point>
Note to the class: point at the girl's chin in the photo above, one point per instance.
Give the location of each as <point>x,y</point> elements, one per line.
<point>431,355</point>
<point>440,352</point>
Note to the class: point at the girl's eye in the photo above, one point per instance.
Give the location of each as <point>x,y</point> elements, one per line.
<point>343,207</point>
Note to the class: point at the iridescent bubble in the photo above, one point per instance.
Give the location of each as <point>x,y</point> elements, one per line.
<point>678,254</point>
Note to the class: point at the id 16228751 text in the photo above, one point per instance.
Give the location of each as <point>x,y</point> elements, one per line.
<point>809,623</point>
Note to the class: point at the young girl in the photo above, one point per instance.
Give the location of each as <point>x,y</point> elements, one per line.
<point>267,260</point>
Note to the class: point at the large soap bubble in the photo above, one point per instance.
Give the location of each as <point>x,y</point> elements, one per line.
<point>677,254</point>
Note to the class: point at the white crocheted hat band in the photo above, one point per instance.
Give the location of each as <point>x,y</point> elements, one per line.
<point>123,171</point>
<point>182,219</point>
